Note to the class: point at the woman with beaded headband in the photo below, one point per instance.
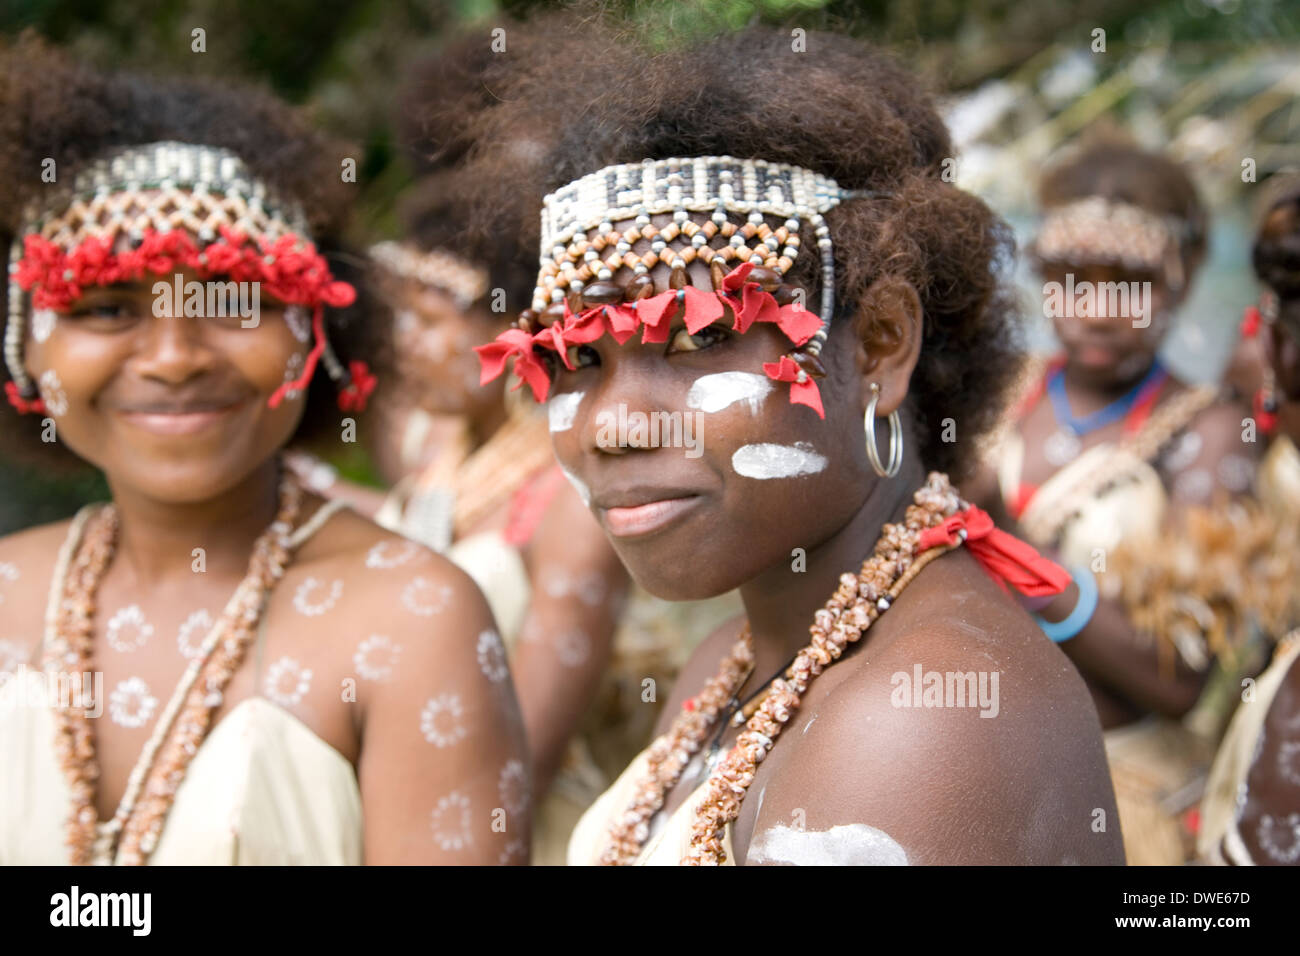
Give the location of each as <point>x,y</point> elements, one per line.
<point>247,704</point>
<point>492,498</point>
<point>786,308</point>
<point>1251,810</point>
<point>1104,448</point>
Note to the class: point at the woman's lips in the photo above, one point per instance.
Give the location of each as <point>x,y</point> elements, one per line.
<point>178,422</point>
<point>642,519</point>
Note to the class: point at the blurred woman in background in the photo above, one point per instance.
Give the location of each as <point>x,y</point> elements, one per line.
<point>492,498</point>
<point>1105,446</point>
<point>1251,811</point>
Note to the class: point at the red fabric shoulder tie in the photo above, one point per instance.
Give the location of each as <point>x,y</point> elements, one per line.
<point>1007,559</point>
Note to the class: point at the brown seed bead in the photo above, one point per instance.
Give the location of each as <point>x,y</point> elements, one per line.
<point>551,314</point>
<point>575,302</point>
<point>809,363</point>
<point>717,272</point>
<point>603,292</point>
<point>784,294</point>
<point>766,278</point>
<point>641,287</point>
<point>677,278</point>
<point>528,320</point>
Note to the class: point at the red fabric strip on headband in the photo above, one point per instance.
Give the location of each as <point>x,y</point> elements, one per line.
<point>288,268</point>
<point>748,302</point>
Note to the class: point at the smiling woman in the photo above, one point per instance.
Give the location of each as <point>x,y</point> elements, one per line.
<point>258,711</point>
<point>761,236</point>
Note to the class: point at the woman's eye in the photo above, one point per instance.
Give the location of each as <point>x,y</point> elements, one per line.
<point>683,341</point>
<point>582,356</point>
<point>106,310</point>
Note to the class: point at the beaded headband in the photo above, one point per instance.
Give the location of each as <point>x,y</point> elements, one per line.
<point>1096,229</point>
<point>577,301</point>
<point>436,268</point>
<point>153,198</point>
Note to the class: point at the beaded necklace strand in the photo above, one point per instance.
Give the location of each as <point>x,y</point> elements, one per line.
<point>133,832</point>
<point>860,599</point>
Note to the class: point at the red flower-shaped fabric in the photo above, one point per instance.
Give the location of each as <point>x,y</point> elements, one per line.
<point>803,388</point>
<point>289,269</point>
<point>653,315</point>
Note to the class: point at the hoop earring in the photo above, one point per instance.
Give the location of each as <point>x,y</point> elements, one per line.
<point>895,437</point>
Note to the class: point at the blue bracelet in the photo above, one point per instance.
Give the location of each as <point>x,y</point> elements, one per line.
<point>1083,611</point>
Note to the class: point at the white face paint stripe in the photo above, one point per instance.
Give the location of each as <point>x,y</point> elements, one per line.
<point>713,393</point>
<point>578,486</point>
<point>561,409</point>
<point>777,461</point>
<point>853,844</point>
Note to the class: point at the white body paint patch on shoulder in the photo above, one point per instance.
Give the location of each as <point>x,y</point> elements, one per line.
<point>777,461</point>
<point>561,409</point>
<point>713,393</point>
<point>851,844</point>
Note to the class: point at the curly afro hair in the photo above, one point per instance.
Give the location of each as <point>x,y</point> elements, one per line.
<point>52,106</point>
<point>1275,254</point>
<point>842,109</point>
<point>442,95</point>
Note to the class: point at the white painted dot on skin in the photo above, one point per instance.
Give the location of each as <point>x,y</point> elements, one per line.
<point>514,850</point>
<point>1184,451</point>
<point>1279,837</point>
<point>286,682</point>
<point>127,630</point>
<point>512,787</point>
<point>424,598</point>
<point>1288,761</point>
<point>767,461</point>
<point>299,322</point>
<point>43,324</point>
<point>591,589</point>
<point>440,720</point>
<point>1194,485</point>
<point>451,822</point>
<point>304,605</point>
<point>573,648</point>
<point>713,393</point>
<point>131,705</point>
<point>52,393</point>
<point>376,657</point>
<point>8,573</point>
<point>561,409</point>
<point>851,844</point>
<point>1236,473</point>
<point>492,657</point>
<point>578,486</point>
<point>192,632</point>
<point>391,554</point>
<point>12,656</point>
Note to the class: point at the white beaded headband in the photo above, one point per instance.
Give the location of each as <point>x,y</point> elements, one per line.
<point>167,185</point>
<point>1097,229</point>
<point>152,193</point>
<point>715,184</point>
<point>436,268</point>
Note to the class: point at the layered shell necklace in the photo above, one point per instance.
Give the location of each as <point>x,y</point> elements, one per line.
<point>899,555</point>
<point>133,832</point>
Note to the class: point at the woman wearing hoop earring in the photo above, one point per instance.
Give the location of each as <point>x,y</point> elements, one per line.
<point>671,286</point>
<point>895,437</point>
